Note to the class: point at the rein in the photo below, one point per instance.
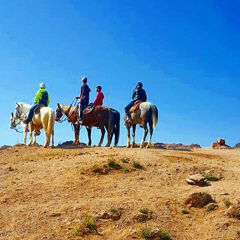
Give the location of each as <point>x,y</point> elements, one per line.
<point>66,113</point>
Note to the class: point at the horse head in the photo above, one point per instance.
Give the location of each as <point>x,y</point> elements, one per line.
<point>59,113</point>
<point>14,121</point>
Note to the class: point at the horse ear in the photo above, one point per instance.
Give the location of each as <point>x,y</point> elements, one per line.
<point>58,105</point>
<point>12,114</point>
<point>17,103</point>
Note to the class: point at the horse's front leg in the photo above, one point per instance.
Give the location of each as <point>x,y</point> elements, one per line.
<point>52,138</point>
<point>151,133</point>
<point>34,137</point>
<point>89,132</point>
<point>133,136</point>
<point>25,135</point>
<point>30,134</point>
<point>76,133</point>
<point>102,136</point>
<point>145,134</point>
<point>128,137</point>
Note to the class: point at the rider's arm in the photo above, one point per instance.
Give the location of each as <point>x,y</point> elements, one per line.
<point>37,97</point>
<point>48,100</point>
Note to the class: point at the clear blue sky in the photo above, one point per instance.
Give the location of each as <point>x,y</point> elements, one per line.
<point>186,53</point>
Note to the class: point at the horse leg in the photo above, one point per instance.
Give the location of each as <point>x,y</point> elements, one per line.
<point>102,136</point>
<point>25,135</point>
<point>109,139</point>
<point>52,139</point>
<point>151,133</point>
<point>30,134</point>
<point>76,133</point>
<point>133,135</point>
<point>34,137</point>
<point>128,137</point>
<point>145,134</point>
<point>89,132</point>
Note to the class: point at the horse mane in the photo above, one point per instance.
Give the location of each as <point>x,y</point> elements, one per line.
<point>66,108</point>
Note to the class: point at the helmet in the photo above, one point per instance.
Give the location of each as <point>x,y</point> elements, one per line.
<point>140,84</point>
<point>84,79</point>
<point>42,85</point>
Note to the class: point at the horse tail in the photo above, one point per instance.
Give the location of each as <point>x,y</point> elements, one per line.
<point>110,128</point>
<point>116,126</point>
<point>50,122</point>
<point>154,115</point>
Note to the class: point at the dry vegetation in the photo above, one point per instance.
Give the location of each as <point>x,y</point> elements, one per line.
<point>116,194</point>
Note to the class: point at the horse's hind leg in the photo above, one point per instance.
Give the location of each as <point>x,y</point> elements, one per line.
<point>89,132</point>
<point>102,137</point>
<point>109,139</point>
<point>151,133</point>
<point>52,139</point>
<point>145,134</point>
<point>133,136</point>
<point>128,137</point>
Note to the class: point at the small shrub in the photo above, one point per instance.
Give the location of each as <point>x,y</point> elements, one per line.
<point>163,234</point>
<point>87,226</point>
<point>227,203</point>
<point>210,177</point>
<point>210,207</point>
<point>146,233</point>
<point>113,164</point>
<point>125,170</point>
<point>143,210</point>
<point>124,160</point>
<point>100,169</point>
<point>238,233</point>
<point>137,165</point>
<point>89,222</point>
<point>116,213</point>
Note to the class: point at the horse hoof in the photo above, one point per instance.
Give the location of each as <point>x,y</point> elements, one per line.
<point>128,146</point>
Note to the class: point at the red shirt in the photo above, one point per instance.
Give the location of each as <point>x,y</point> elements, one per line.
<point>99,99</point>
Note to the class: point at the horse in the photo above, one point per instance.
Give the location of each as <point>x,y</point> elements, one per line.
<point>101,117</point>
<point>14,122</point>
<point>147,113</point>
<point>44,119</point>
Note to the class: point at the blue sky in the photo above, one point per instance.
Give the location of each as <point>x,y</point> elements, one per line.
<point>186,53</point>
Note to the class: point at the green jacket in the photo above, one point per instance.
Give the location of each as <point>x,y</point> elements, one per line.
<point>39,99</point>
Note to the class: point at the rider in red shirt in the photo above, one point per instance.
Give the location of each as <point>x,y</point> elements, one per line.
<point>99,97</point>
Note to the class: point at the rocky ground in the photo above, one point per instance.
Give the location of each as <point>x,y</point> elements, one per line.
<point>117,193</point>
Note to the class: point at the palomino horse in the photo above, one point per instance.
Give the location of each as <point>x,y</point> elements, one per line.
<point>147,113</point>
<point>44,119</point>
<point>14,122</point>
<point>101,117</point>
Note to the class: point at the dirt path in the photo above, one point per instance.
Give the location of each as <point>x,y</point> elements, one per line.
<point>44,192</point>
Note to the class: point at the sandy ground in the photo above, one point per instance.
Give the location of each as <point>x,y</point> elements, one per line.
<point>45,192</point>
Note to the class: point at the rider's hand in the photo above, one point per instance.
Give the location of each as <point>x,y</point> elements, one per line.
<point>77,97</point>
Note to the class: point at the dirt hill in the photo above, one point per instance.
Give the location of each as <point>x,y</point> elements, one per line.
<point>115,193</point>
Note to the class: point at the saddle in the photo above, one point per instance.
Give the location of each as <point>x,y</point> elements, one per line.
<point>135,107</point>
<point>37,110</point>
<point>89,108</point>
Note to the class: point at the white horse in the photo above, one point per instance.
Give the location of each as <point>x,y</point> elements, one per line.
<point>14,122</point>
<point>44,119</point>
<point>147,113</point>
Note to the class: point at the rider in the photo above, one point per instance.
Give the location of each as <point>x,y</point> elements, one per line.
<point>41,98</point>
<point>99,97</point>
<point>138,94</point>
<point>84,97</point>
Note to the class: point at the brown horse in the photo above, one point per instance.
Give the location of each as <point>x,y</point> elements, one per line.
<point>101,117</point>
